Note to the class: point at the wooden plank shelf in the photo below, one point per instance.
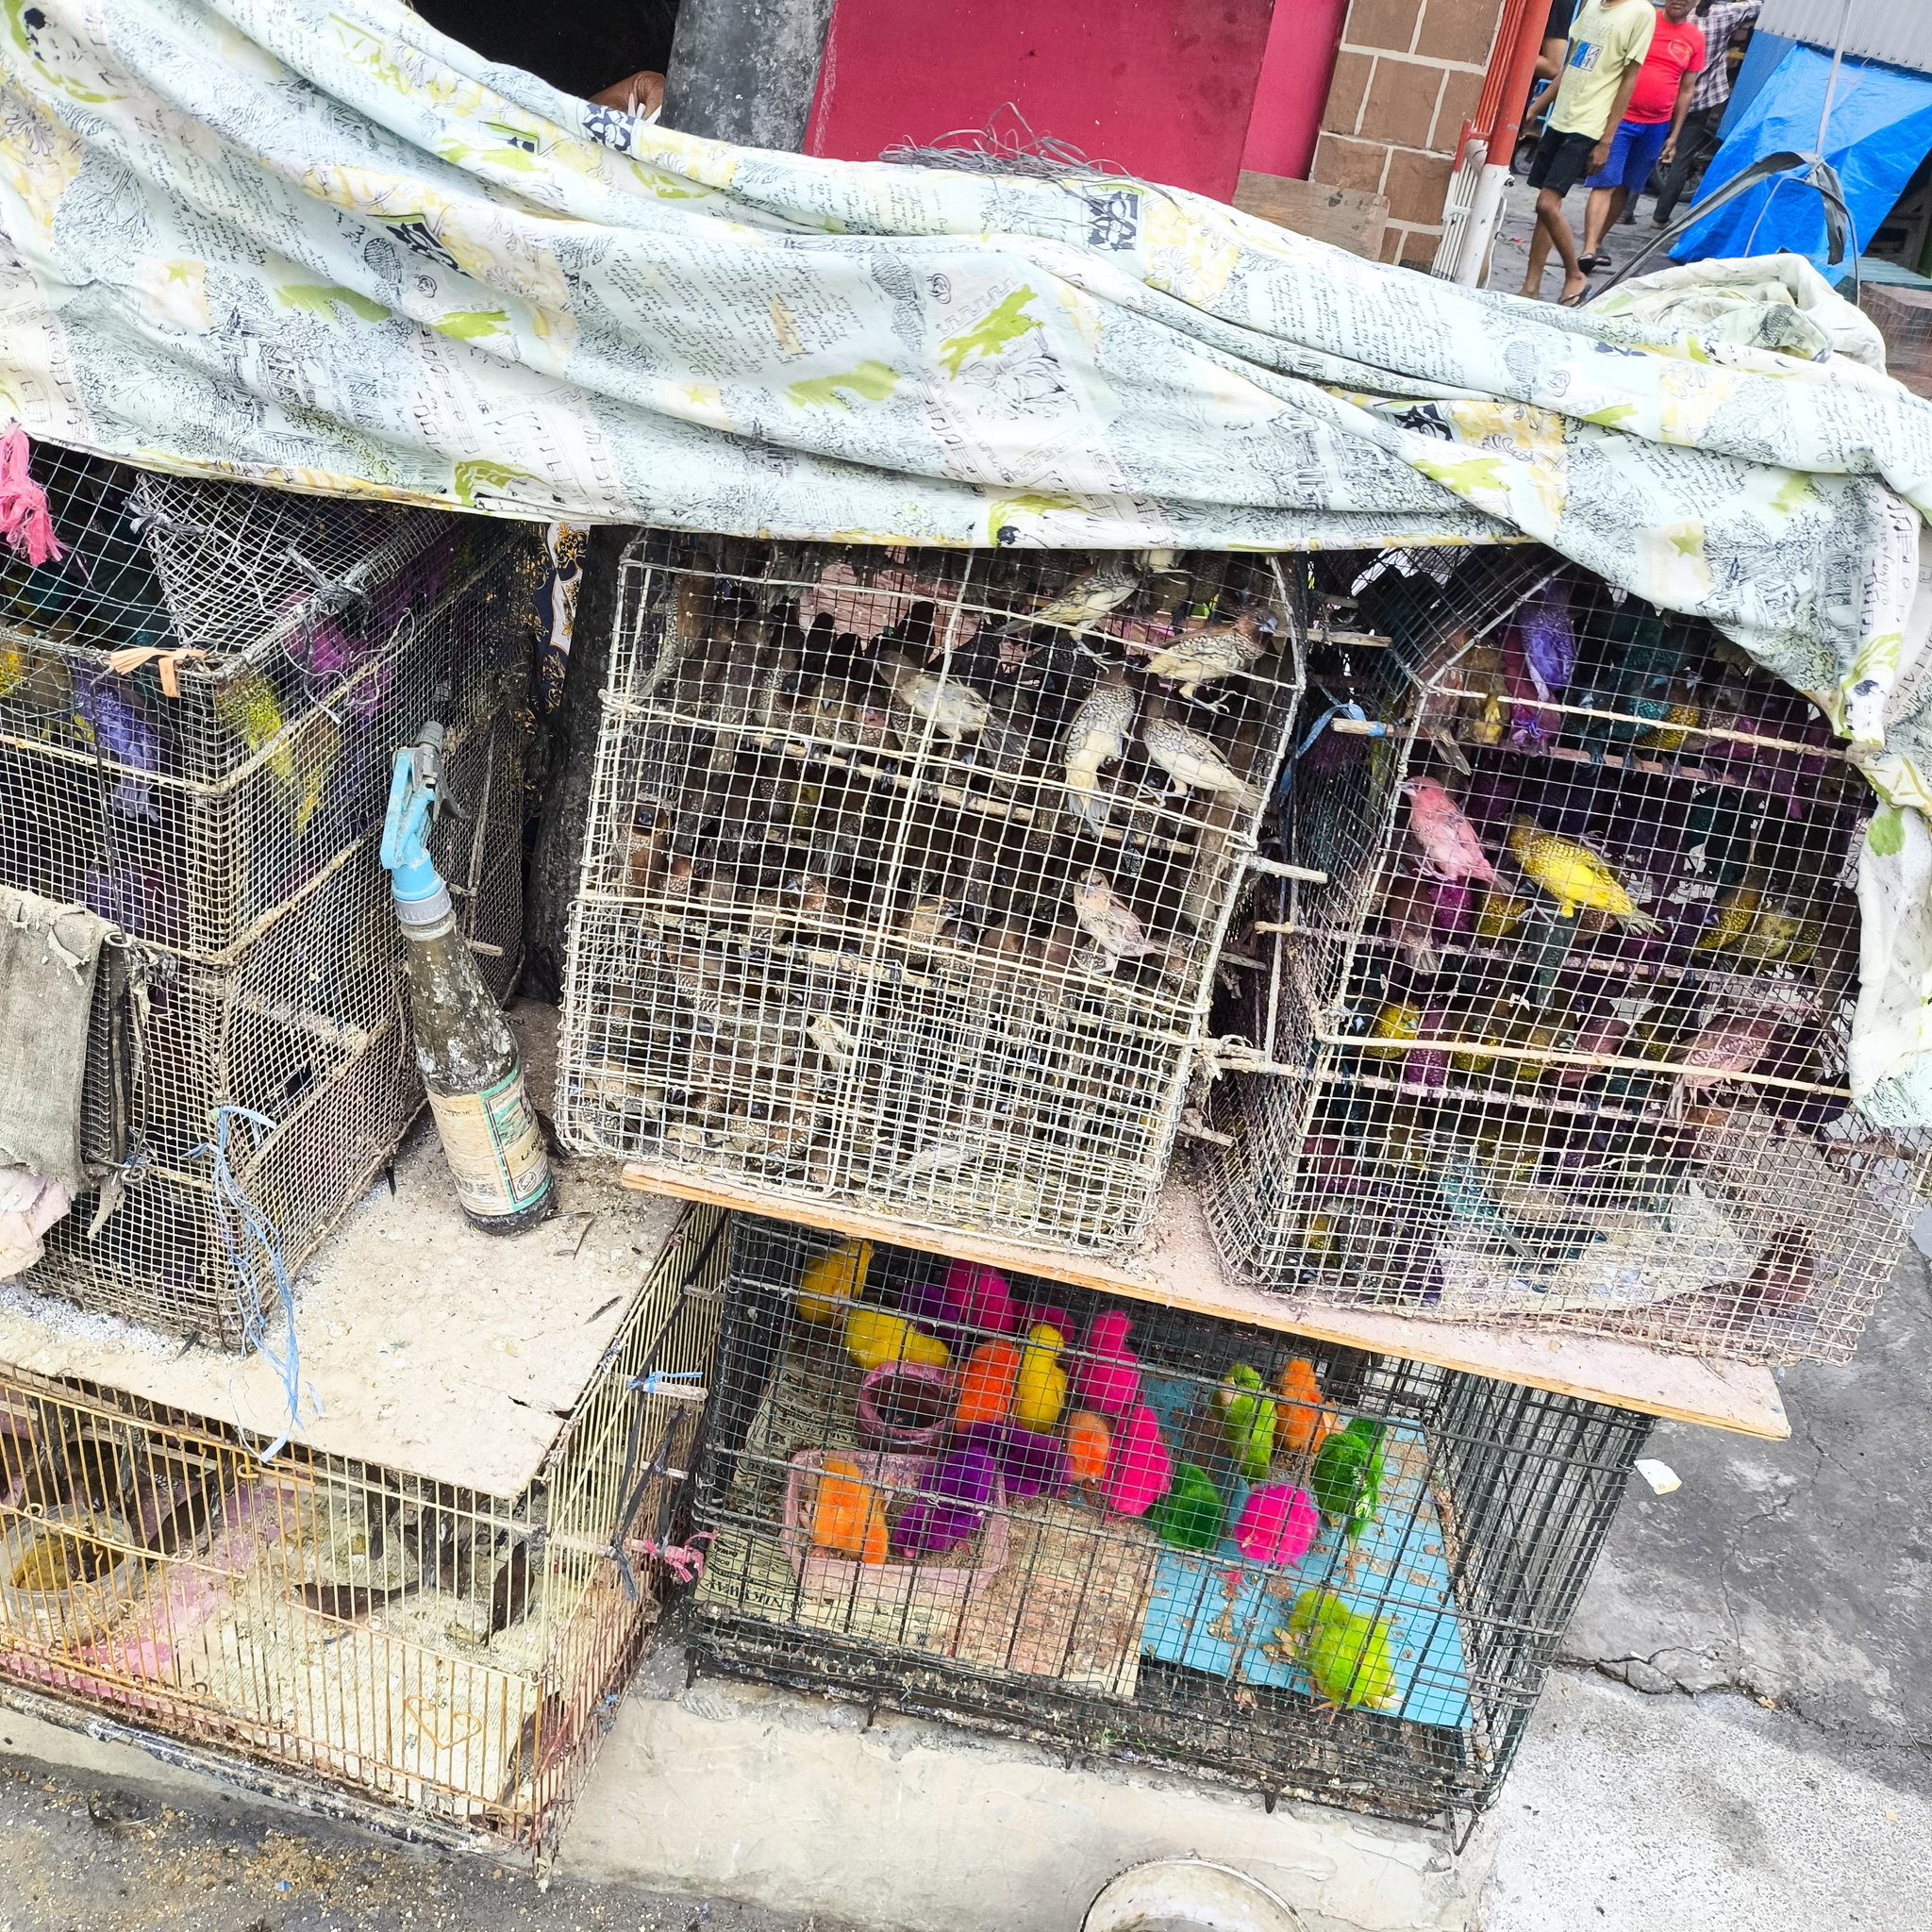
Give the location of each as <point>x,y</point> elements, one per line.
<point>1179,1268</point>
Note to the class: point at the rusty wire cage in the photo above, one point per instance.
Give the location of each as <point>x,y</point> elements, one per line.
<point>445,1650</point>
<point>1127,1531</point>
<point>198,705</point>
<point>906,871</point>
<point>1563,1034</point>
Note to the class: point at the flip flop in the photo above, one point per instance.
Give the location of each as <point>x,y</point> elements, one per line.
<point>1575,301</point>
<point>1588,265</point>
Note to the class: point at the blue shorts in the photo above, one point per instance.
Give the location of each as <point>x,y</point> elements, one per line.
<point>1633,155</point>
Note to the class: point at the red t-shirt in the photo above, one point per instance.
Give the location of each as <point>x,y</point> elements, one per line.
<point>1676,49</point>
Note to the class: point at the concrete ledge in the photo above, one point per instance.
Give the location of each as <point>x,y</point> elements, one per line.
<point>766,1798</point>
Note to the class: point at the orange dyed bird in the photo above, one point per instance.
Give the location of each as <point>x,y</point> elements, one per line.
<point>848,1514</point>
<point>1090,1446</point>
<point>986,1383</point>
<point>1299,1414</point>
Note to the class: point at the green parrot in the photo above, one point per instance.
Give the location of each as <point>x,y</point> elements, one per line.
<point>1346,1481</point>
<point>1247,1421</point>
<point>1344,1652</point>
<point>1192,1513</point>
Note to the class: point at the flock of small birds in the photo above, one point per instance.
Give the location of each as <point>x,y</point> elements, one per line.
<point>1021,771</point>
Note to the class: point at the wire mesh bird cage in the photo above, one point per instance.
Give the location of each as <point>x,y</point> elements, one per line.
<point>1131,1532</point>
<point>440,1648</point>
<point>906,871</point>
<point>198,704</point>
<point>1563,1037</point>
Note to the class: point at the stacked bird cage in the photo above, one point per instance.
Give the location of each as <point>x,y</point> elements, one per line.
<point>199,700</point>
<point>438,1647</point>
<point>1564,1036</point>
<point>1130,1532</point>
<point>908,871</point>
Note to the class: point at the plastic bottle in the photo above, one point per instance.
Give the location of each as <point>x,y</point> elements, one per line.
<point>464,1048</point>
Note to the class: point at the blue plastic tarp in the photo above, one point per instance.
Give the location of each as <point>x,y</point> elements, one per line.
<point>1879,131</point>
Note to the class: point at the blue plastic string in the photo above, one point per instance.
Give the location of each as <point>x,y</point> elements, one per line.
<point>261,1244</point>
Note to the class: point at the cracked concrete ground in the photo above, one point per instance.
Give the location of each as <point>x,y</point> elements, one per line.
<point>1743,1726</point>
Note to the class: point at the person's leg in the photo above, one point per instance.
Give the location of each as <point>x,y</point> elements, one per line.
<point>1678,173</point>
<point>1599,212</point>
<point>1539,257</point>
<point>1600,215</point>
<point>1550,215</point>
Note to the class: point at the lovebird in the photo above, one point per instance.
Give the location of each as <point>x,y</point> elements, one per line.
<point>1247,1421</point>
<point>1040,1390</point>
<point>830,1282</point>
<point>1344,1652</point>
<point>877,1336</point>
<point>1191,1515</point>
<point>1346,1478</point>
<point>1574,875</point>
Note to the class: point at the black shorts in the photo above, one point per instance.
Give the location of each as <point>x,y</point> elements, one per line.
<point>1561,161</point>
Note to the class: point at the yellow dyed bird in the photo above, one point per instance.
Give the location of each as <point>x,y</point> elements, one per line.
<point>246,705</point>
<point>1398,1020</point>
<point>829,1283</point>
<point>1781,938</point>
<point>1736,913</point>
<point>1669,732</point>
<point>1498,914</point>
<point>877,1336</point>
<point>1574,876</point>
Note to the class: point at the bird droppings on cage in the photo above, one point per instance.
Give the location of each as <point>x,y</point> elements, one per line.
<point>1563,1037</point>
<point>1128,1531</point>
<point>906,871</point>
<point>198,705</point>
<point>433,1645</point>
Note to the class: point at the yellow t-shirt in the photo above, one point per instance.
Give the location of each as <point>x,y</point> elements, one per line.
<point>1604,43</point>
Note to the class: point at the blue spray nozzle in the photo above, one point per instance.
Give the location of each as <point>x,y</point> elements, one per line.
<point>415,792</point>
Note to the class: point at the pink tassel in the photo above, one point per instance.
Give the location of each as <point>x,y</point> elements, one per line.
<point>23,519</point>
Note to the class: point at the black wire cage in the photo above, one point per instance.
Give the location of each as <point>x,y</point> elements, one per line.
<point>1130,1532</point>
<point>1553,1017</point>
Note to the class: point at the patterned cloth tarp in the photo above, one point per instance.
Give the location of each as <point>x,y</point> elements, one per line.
<point>323,246</point>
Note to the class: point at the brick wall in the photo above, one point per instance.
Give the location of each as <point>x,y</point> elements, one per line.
<point>1406,77</point>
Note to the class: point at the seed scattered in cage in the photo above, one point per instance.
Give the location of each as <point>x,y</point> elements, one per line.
<point>906,871</point>
<point>1132,1532</point>
<point>1564,1035</point>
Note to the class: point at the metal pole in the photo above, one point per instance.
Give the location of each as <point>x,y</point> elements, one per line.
<point>1838,55</point>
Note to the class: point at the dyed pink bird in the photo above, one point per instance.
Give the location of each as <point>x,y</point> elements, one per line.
<point>1277,1524</point>
<point>984,1296</point>
<point>1106,1378</point>
<point>1142,1469</point>
<point>1450,845</point>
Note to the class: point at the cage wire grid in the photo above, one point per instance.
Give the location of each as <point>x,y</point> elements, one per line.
<point>198,706</point>
<point>1562,1036</point>
<point>440,1648</point>
<point>891,894</point>
<point>1393,1671</point>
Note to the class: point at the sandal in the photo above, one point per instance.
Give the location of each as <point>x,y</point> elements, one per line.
<point>1588,265</point>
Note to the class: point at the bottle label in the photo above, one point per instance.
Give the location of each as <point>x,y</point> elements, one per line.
<point>495,1147</point>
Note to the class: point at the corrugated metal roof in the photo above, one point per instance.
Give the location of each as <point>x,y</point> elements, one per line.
<point>1899,32</point>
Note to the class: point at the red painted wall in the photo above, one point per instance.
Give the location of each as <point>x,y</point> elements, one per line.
<point>1293,90</point>
<point>1165,88</point>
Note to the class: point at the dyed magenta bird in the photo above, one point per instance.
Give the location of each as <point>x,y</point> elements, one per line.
<point>1450,845</point>
<point>1142,1468</point>
<point>1107,1376</point>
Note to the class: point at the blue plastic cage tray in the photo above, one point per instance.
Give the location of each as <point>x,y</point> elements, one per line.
<point>1220,1613</point>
